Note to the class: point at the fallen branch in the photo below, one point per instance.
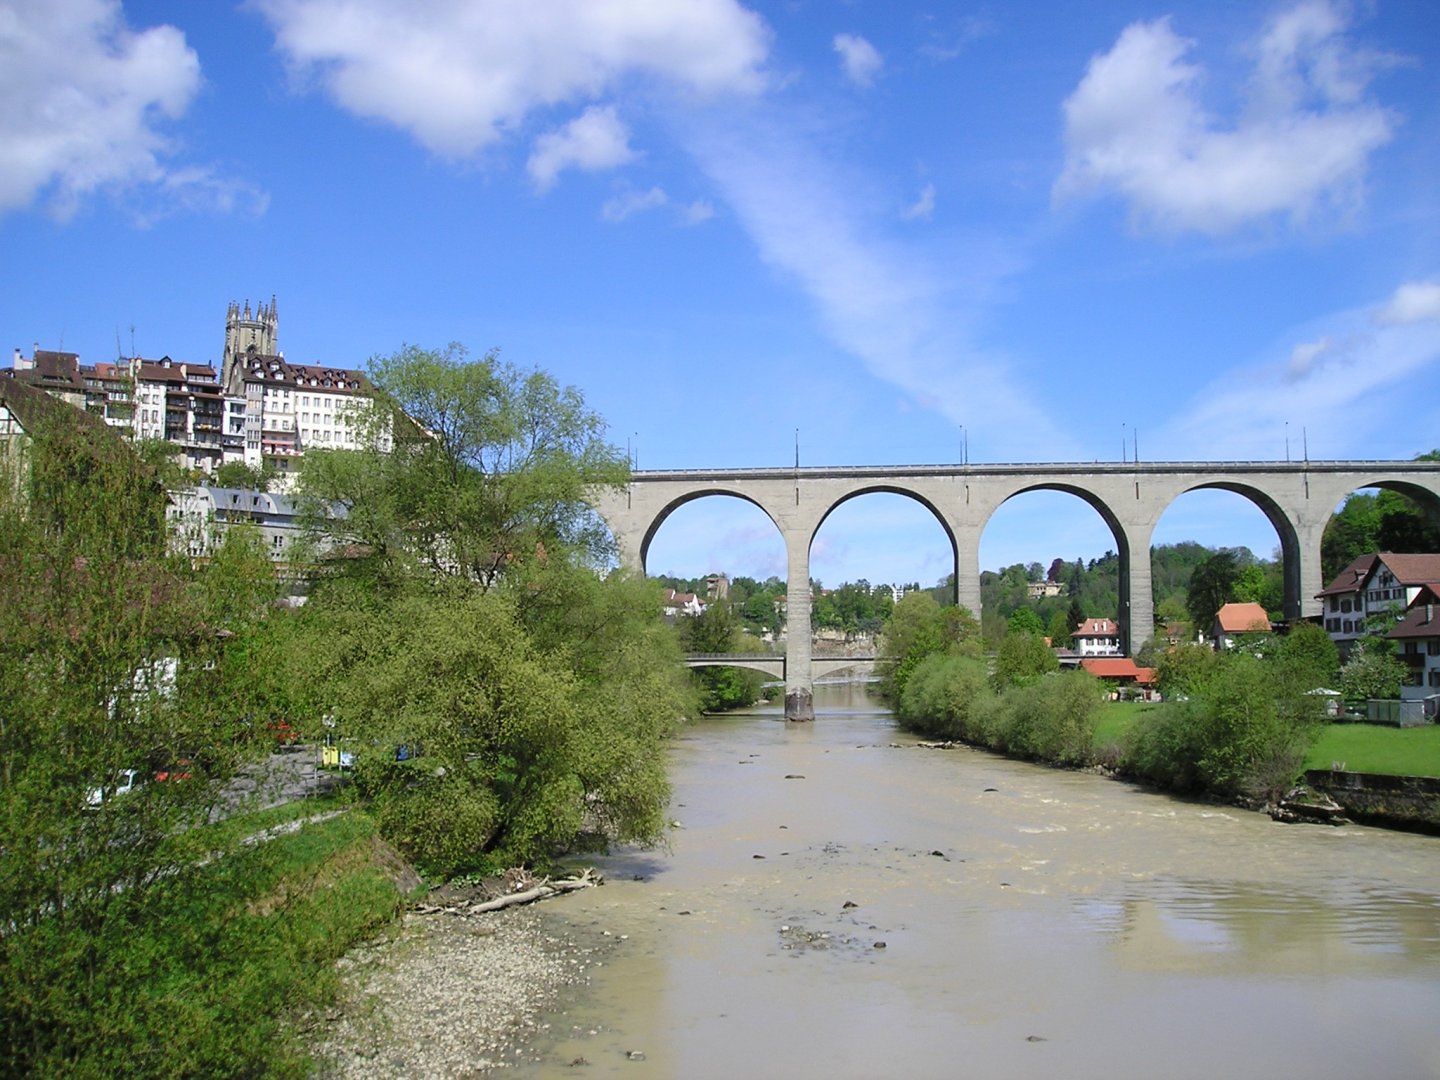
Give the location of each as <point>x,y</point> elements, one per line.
<point>541,890</point>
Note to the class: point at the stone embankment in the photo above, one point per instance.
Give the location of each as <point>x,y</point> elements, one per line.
<point>1396,802</point>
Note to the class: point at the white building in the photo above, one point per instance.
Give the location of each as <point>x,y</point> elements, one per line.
<point>287,408</point>
<point>1417,638</point>
<point>1097,637</point>
<point>1385,583</point>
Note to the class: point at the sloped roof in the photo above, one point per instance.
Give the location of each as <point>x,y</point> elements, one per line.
<point>1096,628</point>
<point>1118,667</point>
<point>1411,569</point>
<point>1352,577</point>
<point>1242,618</point>
<point>1422,618</point>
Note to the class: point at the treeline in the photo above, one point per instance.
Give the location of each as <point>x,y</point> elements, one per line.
<point>1238,725</point>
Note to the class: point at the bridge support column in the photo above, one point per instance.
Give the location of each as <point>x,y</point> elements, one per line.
<point>799,686</point>
<point>967,567</point>
<point>1137,595</point>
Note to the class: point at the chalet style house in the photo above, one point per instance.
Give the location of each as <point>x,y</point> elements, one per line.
<point>1097,637</point>
<point>1384,583</point>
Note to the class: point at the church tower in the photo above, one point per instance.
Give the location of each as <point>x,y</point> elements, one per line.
<point>246,332</point>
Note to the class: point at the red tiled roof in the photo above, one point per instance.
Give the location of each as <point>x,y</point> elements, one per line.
<point>1096,628</point>
<point>1237,618</point>
<point>1118,667</point>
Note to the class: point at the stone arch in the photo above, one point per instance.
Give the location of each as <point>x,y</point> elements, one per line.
<point>891,489</point>
<point>660,516</point>
<point>1130,612</point>
<point>1292,555</point>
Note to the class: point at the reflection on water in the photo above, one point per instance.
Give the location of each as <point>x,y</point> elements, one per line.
<point>840,902</point>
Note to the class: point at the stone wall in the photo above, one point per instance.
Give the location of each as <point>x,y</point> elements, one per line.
<point>1396,802</point>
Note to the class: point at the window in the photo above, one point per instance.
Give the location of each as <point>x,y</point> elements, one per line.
<point>1433,646</point>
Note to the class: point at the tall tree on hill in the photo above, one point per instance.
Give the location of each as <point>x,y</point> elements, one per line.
<point>1211,587</point>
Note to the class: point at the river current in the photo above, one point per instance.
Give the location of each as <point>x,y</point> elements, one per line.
<point>837,901</point>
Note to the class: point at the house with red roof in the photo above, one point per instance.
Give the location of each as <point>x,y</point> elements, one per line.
<point>1235,619</point>
<point>1097,637</point>
<point>1119,671</point>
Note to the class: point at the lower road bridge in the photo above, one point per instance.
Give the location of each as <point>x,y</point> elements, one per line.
<point>774,666</point>
<point>1297,497</point>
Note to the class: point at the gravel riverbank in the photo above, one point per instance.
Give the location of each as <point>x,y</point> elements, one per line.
<point>454,996</point>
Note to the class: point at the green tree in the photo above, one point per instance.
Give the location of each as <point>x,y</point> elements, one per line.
<point>1211,587</point>
<point>1058,631</point>
<point>1023,657</point>
<point>468,620</point>
<point>113,656</point>
<point>715,630</point>
<point>919,627</point>
<point>467,467</point>
<point>1025,621</point>
<point>1371,671</point>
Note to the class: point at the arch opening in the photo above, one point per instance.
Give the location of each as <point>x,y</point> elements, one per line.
<point>867,550</point>
<point>1058,552</point>
<point>1244,549</point>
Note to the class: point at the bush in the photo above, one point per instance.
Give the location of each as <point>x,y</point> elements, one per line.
<point>944,697</point>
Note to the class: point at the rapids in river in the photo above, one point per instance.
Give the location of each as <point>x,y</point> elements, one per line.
<point>837,901</point>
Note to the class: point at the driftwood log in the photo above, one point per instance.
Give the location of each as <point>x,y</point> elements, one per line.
<point>526,890</point>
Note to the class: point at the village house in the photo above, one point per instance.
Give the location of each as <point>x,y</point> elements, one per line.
<point>1097,637</point>
<point>674,604</point>
<point>1417,638</point>
<point>1384,583</point>
<point>1236,619</point>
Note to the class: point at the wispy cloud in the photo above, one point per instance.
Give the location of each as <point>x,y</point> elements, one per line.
<point>1135,126</point>
<point>859,59</point>
<point>594,140</point>
<point>623,206</point>
<point>922,208</point>
<point>1416,301</point>
<point>881,300</point>
<point>83,99</point>
<point>1339,382</point>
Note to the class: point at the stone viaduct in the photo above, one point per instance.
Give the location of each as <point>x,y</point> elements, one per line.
<point>1297,497</point>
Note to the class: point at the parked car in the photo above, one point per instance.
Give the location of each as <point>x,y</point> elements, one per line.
<point>178,771</point>
<point>126,781</point>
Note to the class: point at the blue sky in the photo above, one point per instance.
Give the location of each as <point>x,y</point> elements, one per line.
<point>1050,230</point>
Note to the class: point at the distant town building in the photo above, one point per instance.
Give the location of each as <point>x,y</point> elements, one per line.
<point>717,587</point>
<point>674,604</point>
<point>1096,637</point>
<point>1039,590</point>
<point>288,408</point>
<point>258,408</point>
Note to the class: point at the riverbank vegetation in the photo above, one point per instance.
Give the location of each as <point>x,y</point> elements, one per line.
<point>1239,724</point>
<point>500,700</point>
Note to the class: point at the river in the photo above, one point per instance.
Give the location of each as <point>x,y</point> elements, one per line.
<point>837,902</point>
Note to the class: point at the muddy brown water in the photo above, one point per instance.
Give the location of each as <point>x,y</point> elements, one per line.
<point>840,902</point>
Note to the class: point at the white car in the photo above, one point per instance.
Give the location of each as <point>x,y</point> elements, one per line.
<point>125,782</point>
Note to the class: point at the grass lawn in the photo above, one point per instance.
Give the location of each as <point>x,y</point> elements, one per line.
<point>1376,749</point>
<point>1115,719</point>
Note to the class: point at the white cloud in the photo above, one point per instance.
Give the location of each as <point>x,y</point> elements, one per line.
<point>634,202</point>
<point>1340,384</point>
<point>594,140</point>
<point>1416,301</point>
<point>883,303</point>
<point>701,210</point>
<point>1306,357</point>
<point>859,59</point>
<point>457,74</point>
<point>1135,126</point>
<point>923,207</point>
<point>81,96</point>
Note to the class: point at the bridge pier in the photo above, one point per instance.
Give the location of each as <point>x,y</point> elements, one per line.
<point>799,684</point>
